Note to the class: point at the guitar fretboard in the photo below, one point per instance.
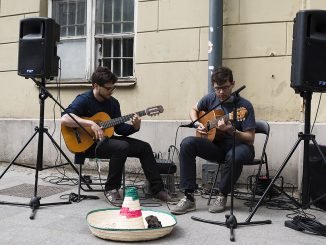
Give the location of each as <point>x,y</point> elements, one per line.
<point>119,120</point>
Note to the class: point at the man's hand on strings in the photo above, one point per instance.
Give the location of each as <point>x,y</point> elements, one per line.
<point>136,121</point>
<point>224,126</point>
<point>98,131</point>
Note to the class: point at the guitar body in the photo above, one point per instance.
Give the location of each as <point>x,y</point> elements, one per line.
<point>212,133</point>
<point>77,140</point>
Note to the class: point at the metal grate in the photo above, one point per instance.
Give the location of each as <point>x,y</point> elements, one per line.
<point>168,182</point>
<point>27,190</point>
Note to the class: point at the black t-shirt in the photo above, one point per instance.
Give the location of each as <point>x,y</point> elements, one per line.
<point>86,105</point>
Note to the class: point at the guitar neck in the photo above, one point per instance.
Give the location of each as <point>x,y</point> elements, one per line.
<point>119,120</point>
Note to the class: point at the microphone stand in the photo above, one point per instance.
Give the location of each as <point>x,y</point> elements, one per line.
<point>231,221</point>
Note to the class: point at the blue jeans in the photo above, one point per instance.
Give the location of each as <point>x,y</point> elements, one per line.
<point>192,147</point>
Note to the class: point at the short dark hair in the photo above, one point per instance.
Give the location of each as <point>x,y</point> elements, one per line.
<point>222,75</point>
<point>103,75</point>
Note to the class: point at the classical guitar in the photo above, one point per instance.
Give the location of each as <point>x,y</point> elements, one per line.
<point>77,140</point>
<point>211,119</point>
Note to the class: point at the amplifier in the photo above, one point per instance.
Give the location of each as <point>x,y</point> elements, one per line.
<point>168,182</point>
<point>209,171</point>
<point>166,166</point>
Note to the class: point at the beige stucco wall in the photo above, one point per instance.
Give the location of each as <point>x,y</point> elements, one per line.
<point>171,56</point>
<point>171,70</point>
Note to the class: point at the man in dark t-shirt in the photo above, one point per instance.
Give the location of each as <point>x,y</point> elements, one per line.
<point>214,140</point>
<point>118,147</point>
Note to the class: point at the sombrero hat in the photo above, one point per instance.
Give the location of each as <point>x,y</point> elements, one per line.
<point>129,223</point>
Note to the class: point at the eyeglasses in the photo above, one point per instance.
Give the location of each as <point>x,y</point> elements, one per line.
<point>224,88</point>
<point>109,89</point>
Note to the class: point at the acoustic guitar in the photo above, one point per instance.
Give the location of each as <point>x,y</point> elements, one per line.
<point>77,140</point>
<point>210,122</point>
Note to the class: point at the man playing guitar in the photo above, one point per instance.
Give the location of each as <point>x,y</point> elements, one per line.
<point>219,147</point>
<point>117,148</point>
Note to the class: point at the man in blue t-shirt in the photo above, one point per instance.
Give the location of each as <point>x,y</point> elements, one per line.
<point>117,148</point>
<point>217,146</point>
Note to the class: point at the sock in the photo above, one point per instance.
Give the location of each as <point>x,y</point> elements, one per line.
<point>222,194</point>
<point>219,193</point>
<point>190,195</point>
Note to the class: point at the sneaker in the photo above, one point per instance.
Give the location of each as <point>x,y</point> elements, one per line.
<point>218,205</point>
<point>183,206</point>
<point>163,196</point>
<point>113,197</point>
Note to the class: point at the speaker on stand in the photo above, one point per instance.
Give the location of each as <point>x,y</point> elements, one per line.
<point>308,71</point>
<point>37,58</point>
<point>37,55</point>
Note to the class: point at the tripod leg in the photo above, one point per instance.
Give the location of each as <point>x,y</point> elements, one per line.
<point>319,150</point>
<point>13,161</point>
<point>79,173</point>
<point>34,204</point>
<point>231,222</point>
<point>62,152</point>
<point>274,179</point>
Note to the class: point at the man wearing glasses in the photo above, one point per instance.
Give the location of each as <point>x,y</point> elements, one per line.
<point>220,147</point>
<point>117,148</point>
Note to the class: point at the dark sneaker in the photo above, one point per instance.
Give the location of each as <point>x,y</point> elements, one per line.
<point>163,196</point>
<point>218,205</point>
<point>113,197</point>
<point>183,206</point>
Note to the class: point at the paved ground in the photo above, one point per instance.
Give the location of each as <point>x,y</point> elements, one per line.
<point>66,224</point>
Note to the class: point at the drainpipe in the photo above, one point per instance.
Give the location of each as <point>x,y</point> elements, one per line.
<point>215,38</point>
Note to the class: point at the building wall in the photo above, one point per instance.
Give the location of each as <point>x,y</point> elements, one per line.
<point>171,70</point>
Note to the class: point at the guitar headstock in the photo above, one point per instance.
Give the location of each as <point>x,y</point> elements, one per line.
<point>154,110</point>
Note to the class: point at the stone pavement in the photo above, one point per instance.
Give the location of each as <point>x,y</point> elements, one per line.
<point>66,224</point>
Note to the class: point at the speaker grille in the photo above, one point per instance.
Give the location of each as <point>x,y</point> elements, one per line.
<point>31,58</point>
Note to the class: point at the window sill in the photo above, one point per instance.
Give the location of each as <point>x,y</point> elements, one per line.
<point>80,84</point>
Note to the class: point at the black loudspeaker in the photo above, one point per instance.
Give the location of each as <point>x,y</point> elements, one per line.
<point>308,70</point>
<point>317,169</point>
<point>37,56</point>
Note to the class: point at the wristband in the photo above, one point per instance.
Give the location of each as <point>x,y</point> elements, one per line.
<point>196,124</point>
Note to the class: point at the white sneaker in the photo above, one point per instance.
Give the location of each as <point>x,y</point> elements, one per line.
<point>184,206</point>
<point>218,205</point>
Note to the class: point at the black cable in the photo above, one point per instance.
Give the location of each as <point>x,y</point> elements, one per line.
<point>313,124</point>
<point>73,197</point>
<point>306,225</point>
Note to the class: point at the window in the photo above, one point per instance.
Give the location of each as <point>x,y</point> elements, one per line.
<point>108,40</point>
<point>114,29</point>
<point>71,15</point>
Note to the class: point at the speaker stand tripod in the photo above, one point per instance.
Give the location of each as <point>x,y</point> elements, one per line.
<point>40,130</point>
<point>306,137</point>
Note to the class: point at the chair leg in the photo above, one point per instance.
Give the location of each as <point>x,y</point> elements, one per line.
<point>266,166</point>
<point>255,188</point>
<point>79,181</point>
<point>212,188</point>
<point>124,182</point>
